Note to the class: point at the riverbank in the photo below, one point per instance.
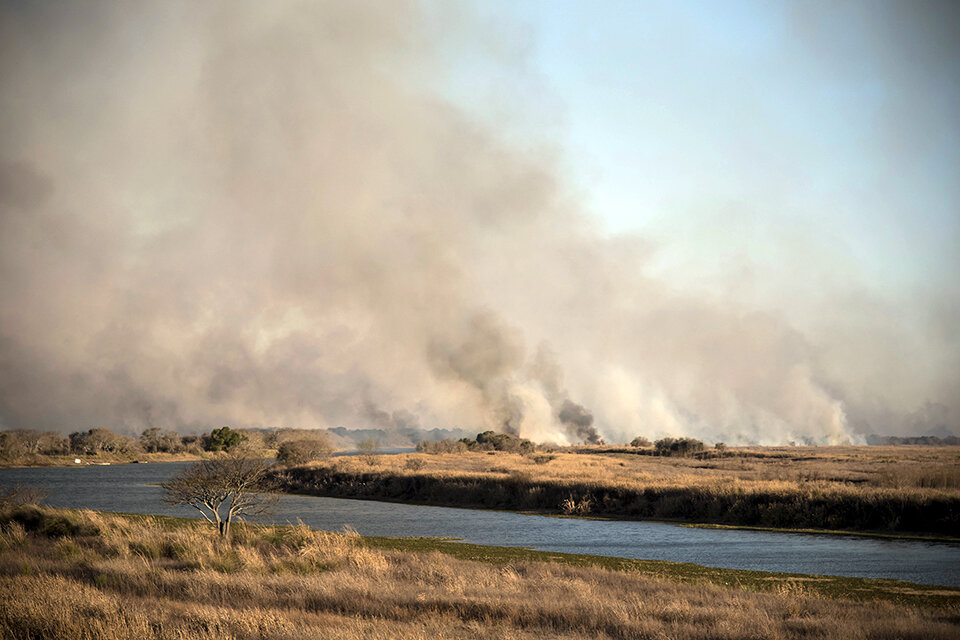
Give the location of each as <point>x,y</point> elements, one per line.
<point>826,532</point>
<point>68,574</point>
<point>43,461</point>
<point>841,497</point>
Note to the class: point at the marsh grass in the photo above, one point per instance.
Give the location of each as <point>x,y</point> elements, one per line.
<point>909,490</point>
<point>148,577</point>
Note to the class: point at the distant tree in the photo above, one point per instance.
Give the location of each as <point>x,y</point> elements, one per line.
<point>254,440</point>
<point>224,439</point>
<point>271,439</point>
<point>15,443</point>
<point>303,451</point>
<point>77,444</point>
<point>640,441</point>
<point>193,443</point>
<point>12,445</point>
<point>223,489</point>
<point>100,440</point>
<point>369,448</point>
<point>156,439</point>
<point>721,447</point>
<point>51,444</point>
<point>28,439</point>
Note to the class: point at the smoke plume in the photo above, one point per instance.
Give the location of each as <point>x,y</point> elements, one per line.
<point>261,214</point>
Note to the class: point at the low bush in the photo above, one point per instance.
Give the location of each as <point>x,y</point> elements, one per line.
<point>504,442</point>
<point>414,464</point>
<point>677,446</point>
<point>51,523</point>
<point>302,451</point>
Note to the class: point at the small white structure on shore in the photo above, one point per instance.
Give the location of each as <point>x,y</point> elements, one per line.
<point>76,461</point>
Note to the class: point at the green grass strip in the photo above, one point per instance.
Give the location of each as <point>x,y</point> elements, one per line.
<point>863,589</point>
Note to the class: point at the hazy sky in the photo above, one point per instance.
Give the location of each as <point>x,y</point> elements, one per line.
<point>737,221</point>
<point>816,139</point>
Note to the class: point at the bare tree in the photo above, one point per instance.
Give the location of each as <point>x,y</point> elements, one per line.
<point>223,489</point>
<point>98,440</point>
<point>156,439</point>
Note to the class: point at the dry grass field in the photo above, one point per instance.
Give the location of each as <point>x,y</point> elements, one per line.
<point>85,575</point>
<point>895,490</point>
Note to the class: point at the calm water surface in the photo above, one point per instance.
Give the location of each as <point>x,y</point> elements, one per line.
<point>131,488</point>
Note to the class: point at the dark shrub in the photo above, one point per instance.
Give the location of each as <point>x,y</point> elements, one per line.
<point>503,442</point>
<point>224,439</point>
<point>677,446</point>
<point>54,524</point>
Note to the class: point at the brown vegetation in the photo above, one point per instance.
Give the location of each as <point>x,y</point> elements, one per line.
<point>302,451</point>
<point>878,489</point>
<point>486,441</point>
<point>67,575</point>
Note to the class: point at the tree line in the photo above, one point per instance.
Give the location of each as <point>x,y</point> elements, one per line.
<point>292,445</point>
<point>512,443</point>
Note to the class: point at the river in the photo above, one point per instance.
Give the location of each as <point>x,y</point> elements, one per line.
<point>133,488</point>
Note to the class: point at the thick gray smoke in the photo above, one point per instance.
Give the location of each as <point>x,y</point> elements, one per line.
<point>579,422</point>
<point>260,214</point>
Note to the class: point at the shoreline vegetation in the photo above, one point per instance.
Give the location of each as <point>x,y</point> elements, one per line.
<point>25,448</point>
<point>905,491</point>
<point>72,574</point>
<point>41,462</point>
<point>909,491</point>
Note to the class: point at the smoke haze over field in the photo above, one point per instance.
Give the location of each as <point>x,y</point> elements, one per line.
<point>265,214</point>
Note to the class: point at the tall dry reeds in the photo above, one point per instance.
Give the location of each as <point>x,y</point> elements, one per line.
<point>854,489</point>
